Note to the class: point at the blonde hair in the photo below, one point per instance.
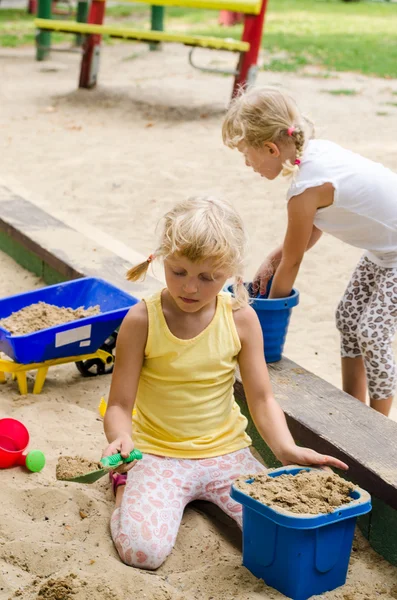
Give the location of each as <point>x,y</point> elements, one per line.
<point>202,228</point>
<point>266,114</point>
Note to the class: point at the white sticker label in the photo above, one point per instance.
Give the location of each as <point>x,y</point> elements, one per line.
<point>72,335</point>
<point>85,343</point>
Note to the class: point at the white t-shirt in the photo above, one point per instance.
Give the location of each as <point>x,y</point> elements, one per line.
<point>364,211</point>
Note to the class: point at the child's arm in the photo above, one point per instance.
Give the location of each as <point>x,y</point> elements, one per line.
<point>266,413</point>
<point>315,236</point>
<point>301,213</point>
<point>271,263</point>
<point>130,351</point>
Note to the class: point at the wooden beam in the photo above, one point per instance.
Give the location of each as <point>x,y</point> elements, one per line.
<point>325,418</point>
<point>52,246</point>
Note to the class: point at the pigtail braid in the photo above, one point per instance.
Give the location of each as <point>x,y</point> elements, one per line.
<point>240,294</point>
<point>138,273</point>
<point>298,137</point>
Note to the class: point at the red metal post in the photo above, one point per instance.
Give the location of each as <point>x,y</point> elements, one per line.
<point>247,66</point>
<point>91,49</point>
<point>229,18</point>
<point>32,7</point>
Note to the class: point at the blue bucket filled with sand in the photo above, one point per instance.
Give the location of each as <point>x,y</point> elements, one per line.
<point>274,316</point>
<point>300,555</point>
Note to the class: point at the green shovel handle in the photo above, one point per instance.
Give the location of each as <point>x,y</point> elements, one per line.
<point>116,459</point>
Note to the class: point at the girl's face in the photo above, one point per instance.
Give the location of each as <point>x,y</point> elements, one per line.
<point>265,160</point>
<point>193,285</point>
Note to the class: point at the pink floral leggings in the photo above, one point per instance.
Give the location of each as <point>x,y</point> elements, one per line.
<point>145,526</point>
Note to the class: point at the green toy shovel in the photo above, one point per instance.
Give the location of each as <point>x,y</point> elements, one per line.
<point>108,462</point>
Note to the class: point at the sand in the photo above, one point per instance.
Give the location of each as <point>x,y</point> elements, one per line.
<point>74,466</point>
<point>307,492</point>
<point>54,536</point>
<point>41,315</point>
<point>116,158</point>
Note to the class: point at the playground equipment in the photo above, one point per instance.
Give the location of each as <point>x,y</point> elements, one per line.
<point>14,439</point>
<point>299,555</point>
<point>32,7</point>
<point>43,39</point>
<point>247,48</point>
<point>88,342</point>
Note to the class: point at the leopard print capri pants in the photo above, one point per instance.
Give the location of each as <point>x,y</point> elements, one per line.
<point>367,320</point>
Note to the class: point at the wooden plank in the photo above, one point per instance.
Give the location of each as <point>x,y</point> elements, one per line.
<point>49,242</point>
<point>325,418</point>
<point>21,255</point>
<point>211,42</point>
<point>382,533</point>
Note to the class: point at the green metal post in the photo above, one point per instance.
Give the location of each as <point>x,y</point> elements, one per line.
<point>157,23</point>
<point>81,17</point>
<point>43,38</point>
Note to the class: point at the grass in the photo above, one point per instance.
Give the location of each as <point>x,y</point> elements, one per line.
<point>16,29</point>
<point>341,92</point>
<point>288,64</point>
<point>334,35</point>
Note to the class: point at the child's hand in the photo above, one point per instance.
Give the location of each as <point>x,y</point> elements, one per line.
<point>263,276</point>
<point>306,456</point>
<point>123,445</point>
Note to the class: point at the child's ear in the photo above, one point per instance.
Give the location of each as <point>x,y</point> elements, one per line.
<point>272,149</point>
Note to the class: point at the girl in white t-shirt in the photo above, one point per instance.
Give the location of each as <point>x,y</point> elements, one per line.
<point>341,193</point>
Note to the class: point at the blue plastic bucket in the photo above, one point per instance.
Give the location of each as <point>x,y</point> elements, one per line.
<point>83,336</point>
<point>274,317</point>
<point>299,555</point>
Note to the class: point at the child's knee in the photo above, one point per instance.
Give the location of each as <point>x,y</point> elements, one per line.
<point>374,345</point>
<point>347,324</point>
<point>143,560</point>
<point>141,555</point>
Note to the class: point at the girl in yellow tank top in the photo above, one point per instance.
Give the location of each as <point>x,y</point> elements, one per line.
<point>177,352</point>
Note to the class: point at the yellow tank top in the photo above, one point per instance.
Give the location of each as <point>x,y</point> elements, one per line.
<point>185,405</point>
